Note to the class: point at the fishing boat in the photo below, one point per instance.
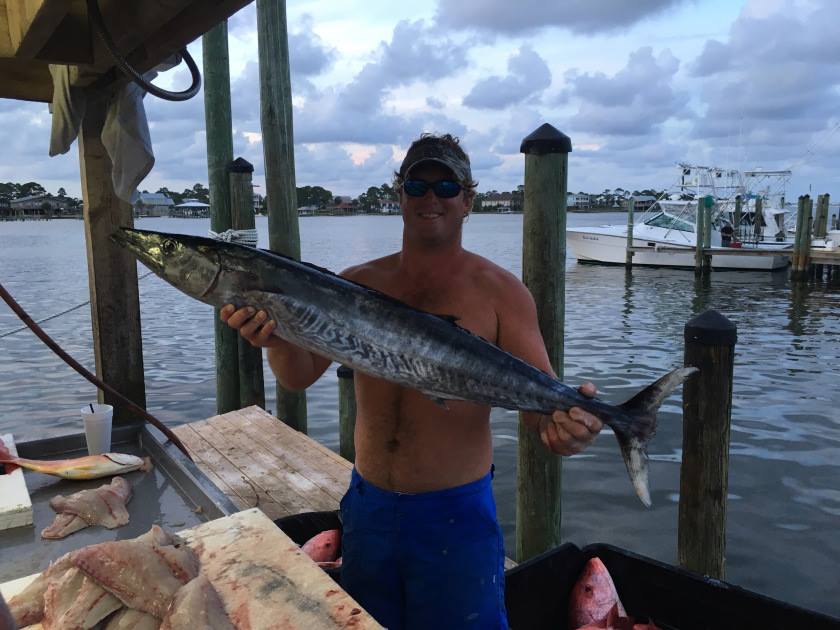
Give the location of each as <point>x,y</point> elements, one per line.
<point>665,235</point>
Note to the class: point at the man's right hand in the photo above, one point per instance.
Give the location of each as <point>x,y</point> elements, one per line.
<point>254,326</point>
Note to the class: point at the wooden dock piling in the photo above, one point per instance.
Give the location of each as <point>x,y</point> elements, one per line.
<point>538,510</point>
<point>346,413</point>
<point>758,219</point>
<point>251,384</point>
<point>737,217</point>
<point>709,204</point>
<point>802,240</point>
<point>703,235</point>
<point>710,341</point>
<point>698,238</point>
<point>279,158</point>
<point>219,136</point>
<point>112,271</point>
<point>631,204</point>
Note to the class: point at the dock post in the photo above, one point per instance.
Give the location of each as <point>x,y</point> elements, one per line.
<point>737,218</point>
<point>112,272</point>
<point>538,509</point>
<point>780,221</point>
<point>799,239</point>
<point>346,413</point>
<point>821,218</point>
<point>698,237</point>
<point>279,159</point>
<point>628,261</point>
<point>758,222</point>
<point>251,384</point>
<point>807,235</point>
<point>707,408</point>
<point>709,203</point>
<point>219,136</point>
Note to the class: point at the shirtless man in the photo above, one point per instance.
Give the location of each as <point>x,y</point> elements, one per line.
<point>421,544</point>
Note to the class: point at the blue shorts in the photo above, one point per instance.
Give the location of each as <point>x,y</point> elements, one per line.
<point>427,560</point>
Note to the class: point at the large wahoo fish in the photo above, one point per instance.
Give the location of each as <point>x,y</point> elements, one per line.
<point>383,337</point>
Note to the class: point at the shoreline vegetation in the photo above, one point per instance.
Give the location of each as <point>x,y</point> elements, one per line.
<point>31,201</point>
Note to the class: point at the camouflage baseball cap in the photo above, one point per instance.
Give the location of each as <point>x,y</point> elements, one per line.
<point>434,149</point>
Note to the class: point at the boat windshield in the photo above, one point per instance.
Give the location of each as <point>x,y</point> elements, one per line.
<point>670,222</point>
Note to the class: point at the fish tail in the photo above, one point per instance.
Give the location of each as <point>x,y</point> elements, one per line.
<point>633,436</point>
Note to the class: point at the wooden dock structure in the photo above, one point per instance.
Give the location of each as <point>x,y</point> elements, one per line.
<point>259,461</point>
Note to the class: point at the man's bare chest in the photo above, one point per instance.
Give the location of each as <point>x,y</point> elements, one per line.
<point>467,305</point>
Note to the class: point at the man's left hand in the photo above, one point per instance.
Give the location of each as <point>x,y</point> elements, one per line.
<point>570,432</point>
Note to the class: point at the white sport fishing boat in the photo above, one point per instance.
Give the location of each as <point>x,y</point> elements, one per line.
<point>670,224</point>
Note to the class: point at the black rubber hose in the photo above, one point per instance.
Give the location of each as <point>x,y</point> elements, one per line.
<point>99,25</point>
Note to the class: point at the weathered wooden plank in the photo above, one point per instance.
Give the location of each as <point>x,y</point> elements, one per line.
<point>112,272</point>
<point>303,456</point>
<point>15,504</point>
<point>218,464</point>
<point>218,457</point>
<point>312,459</point>
<point>197,446</point>
<point>269,422</point>
<point>268,474</point>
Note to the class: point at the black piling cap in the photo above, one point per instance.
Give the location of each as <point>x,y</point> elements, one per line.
<point>240,165</point>
<point>546,139</point>
<point>344,372</point>
<point>711,329</point>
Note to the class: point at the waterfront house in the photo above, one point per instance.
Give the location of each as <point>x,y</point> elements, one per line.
<point>497,202</point>
<point>642,203</point>
<point>191,208</point>
<point>153,205</point>
<point>389,206</point>
<point>43,204</point>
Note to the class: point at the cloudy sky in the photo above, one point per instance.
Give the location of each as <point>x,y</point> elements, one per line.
<point>638,86</point>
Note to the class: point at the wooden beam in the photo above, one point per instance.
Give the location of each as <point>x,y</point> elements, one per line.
<point>32,22</point>
<point>112,272</point>
<point>25,80</point>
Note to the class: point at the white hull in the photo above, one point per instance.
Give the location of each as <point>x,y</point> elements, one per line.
<point>595,245</point>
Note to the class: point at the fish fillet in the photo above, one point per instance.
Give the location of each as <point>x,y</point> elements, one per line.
<point>142,575</point>
<point>75,601</point>
<point>197,604</point>
<point>130,619</point>
<point>103,506</point>
<point>28,606</point>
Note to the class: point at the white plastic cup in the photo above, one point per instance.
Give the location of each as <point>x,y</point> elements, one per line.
<point>97,420</point>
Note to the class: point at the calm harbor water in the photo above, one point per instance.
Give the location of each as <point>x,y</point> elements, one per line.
<point>621,333</point>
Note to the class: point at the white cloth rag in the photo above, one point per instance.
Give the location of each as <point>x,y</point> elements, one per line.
<point>125,132</point>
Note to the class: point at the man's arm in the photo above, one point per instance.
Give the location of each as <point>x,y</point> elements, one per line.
<point>564,432</point>
<point>295,367</point>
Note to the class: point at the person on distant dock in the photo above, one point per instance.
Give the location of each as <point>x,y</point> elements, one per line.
<point>421,546</point>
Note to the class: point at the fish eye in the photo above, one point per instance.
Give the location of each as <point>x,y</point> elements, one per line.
<point>168,246</point>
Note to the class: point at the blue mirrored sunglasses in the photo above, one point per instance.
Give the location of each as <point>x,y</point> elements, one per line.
<point>445,188</point>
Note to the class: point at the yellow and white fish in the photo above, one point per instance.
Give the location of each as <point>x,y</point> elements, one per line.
<point>89,467</point>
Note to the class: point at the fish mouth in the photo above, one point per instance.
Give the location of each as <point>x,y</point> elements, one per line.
<point>141,245</point>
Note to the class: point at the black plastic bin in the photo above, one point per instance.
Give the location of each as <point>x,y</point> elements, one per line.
<point>302,527</point>
<point>537,594</point>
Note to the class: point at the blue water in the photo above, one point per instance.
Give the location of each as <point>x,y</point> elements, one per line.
<point>621,332</point>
